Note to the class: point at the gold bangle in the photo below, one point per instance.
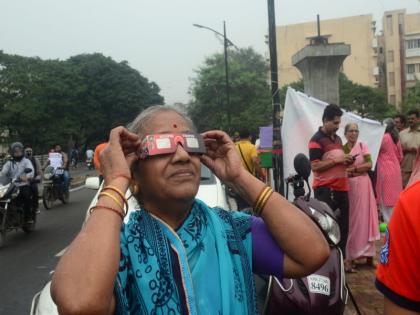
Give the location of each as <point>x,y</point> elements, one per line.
<point>260,195</point>
<point>119,192</point>
<point>266,191</point>
<point>264,202</point>
<point>104,193</point>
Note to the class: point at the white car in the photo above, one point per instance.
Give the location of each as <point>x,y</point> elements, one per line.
<point>211,191</point>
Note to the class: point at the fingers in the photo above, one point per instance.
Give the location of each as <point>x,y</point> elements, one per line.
<point>217,135</point>
<point>121,137</point>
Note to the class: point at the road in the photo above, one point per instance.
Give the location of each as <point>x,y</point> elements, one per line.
<point>26,260</point>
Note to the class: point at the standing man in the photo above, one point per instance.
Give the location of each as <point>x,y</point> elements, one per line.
<point>329,164</point>
<point>250,160</point>
<point>410,142</point>
<point>400,122</point>
<point>36,179</point>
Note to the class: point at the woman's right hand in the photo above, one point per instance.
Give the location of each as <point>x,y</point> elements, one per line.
<point>117,158</point>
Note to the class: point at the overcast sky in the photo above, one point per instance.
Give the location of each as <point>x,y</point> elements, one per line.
<point>156,37</point>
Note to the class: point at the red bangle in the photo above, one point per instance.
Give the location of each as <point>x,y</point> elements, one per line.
<point>99,207</point>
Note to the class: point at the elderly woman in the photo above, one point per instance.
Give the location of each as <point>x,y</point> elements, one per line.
<point>363,214</point>
<point>176,255</point>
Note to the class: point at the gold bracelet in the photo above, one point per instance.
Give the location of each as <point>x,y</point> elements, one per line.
<point>260,195</point>
<point>119,192</point>
<point>104,193</point>
<point>261,198</point>
<point>264,202</point>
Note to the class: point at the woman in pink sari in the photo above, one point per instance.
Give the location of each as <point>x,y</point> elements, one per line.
<point>363,214</point>
<point>388,178</point>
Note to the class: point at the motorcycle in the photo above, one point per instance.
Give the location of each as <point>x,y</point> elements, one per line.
<point>324,291</point>
<point>89,164</point>
<point>53,187</point>
<point>12,213</point>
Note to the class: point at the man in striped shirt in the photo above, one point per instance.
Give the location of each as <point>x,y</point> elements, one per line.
<point>329,164</point>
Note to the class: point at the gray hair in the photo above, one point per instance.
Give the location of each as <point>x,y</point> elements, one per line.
<point>139,124</point>
<point>347,127</point>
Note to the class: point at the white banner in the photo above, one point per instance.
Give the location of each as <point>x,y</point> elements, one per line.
<point>302,118</point>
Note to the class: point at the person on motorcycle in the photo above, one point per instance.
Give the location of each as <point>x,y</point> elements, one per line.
<point>13,170</point>
<point>62,162</point>
<point>89,158</point>
<point>36,179</point>
<point>74,155</point>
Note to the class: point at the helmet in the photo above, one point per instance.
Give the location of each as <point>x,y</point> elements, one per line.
<point>14,147</point>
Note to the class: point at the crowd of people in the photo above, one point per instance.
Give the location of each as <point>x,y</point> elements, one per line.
<point>135,264</point>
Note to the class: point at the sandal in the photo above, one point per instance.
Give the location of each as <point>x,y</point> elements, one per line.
<point>349,267</point>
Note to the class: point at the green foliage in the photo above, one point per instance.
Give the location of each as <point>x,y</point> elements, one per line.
<point>364,100</point>
<point>412,98</point>
<point>250,100</point>
<point>76,101</point>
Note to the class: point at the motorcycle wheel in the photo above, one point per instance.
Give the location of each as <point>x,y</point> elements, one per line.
<point>66,197</point>
<point>2,238</point>
<point>28,228</point>
<point>48,198</point>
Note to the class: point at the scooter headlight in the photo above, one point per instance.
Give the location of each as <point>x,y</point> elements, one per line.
<point>328,225</point>
<point>3,190</point>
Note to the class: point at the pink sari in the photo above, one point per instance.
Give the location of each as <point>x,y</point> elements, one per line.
<point>363,214</point>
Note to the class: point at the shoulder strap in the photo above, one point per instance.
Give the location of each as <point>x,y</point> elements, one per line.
<point>243,158</point>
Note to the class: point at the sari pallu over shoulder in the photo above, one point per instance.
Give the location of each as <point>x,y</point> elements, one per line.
<point>205,267</point>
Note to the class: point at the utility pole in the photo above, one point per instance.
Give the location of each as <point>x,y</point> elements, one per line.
<point>277,143</point>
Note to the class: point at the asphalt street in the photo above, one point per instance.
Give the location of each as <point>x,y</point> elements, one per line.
<point>27,259</point>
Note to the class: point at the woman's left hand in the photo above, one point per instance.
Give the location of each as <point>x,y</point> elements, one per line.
<point>222,157</point>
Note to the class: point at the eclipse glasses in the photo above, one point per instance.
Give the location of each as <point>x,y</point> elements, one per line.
<point>158,144</point>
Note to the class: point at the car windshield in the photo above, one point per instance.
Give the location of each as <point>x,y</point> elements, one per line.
<point>207,177</point>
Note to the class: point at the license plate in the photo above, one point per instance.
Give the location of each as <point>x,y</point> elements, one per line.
<point>319,284</point>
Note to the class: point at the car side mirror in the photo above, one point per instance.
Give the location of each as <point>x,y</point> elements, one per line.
<point>92,182</point>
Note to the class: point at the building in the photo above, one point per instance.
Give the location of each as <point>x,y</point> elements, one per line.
<point>358,31</point>
<point>401,48</point>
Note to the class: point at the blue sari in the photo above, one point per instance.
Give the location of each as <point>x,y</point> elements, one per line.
<point>205,267</point>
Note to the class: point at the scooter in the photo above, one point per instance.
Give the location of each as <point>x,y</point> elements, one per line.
<point>89,164</point>
<point>323,292</point>
<point>12,213</point>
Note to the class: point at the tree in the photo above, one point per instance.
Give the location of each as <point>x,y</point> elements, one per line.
<point>412,98</point>
<point>76,101</point>
<point>250,100</point>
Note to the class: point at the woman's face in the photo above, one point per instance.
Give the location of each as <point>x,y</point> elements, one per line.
<point>169,176</point>
<point>352,133</point>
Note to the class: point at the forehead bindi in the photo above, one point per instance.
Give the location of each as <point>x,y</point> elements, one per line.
<point>168,122</point>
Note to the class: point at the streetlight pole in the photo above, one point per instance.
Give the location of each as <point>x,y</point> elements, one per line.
<point>226,44</point>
